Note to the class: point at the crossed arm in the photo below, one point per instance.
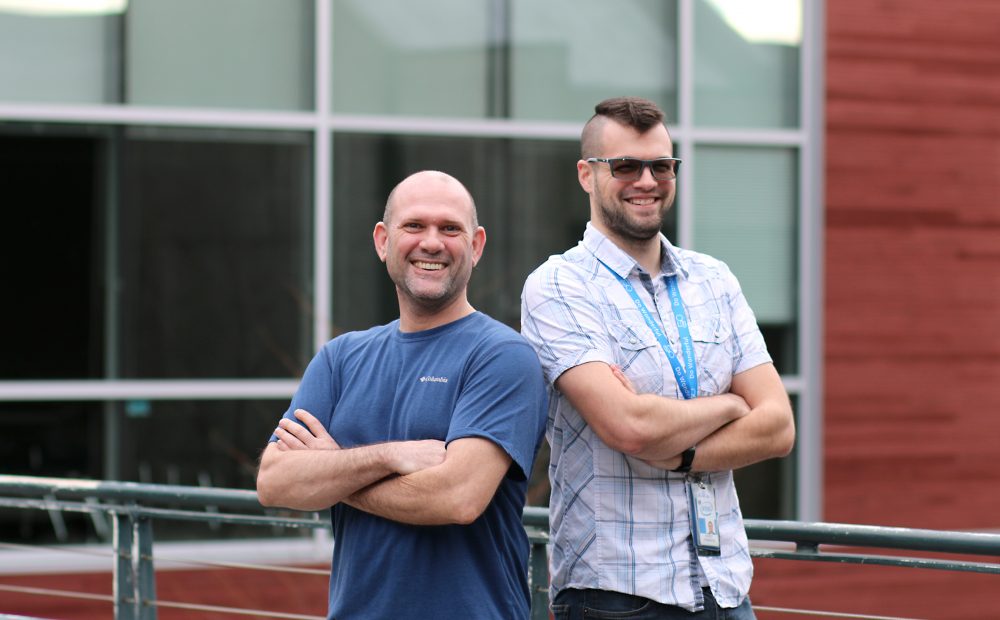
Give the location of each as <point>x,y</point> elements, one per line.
<point>416,482</point>
<point>751,423</point>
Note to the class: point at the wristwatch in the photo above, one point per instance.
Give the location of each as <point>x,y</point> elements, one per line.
<point>687,458</point>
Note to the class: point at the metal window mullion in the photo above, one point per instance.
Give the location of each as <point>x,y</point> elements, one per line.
<point>322,177</point>
<point>741,136</point>
<point>809,494</point>
<point>323,189</point>
<point>112,299</point>
<point>120,114</point>
<point>685,123</point>
<point>96,390</point>
<point>458,127</point>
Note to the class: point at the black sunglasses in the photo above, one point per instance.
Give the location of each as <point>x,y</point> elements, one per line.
<point>630,168</point>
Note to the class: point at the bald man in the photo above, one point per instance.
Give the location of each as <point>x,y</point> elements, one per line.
<point>420,433</point>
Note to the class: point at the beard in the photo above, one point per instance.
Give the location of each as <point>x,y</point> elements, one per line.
<point>430,293</point>
<point>430,297</point>
<point>628,227</point>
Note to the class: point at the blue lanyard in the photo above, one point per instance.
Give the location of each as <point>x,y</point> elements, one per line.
<point>687,379</point>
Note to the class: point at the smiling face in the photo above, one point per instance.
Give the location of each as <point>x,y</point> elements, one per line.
<point>628,212</point>
<point>430,244</point>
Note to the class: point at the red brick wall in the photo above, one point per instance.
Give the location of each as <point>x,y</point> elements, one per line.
<point>912,402</point>
<point>912,394</point>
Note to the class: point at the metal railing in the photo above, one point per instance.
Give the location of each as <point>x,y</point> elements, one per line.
<point>132,507</point>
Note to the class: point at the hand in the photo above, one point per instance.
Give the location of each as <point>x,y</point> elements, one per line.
<point>312,436</point>
<point>618,374</point>
<point>740,406</point>
<point>412,456</point>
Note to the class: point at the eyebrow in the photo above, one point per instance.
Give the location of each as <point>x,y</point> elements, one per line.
<point>436,222</point>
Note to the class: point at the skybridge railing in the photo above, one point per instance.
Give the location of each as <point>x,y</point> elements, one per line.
<point>132,508</point>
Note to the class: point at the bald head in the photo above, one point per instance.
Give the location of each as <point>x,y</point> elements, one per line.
<point>428,181</point>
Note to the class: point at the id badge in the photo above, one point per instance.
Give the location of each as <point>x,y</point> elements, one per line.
<point>704,516</point>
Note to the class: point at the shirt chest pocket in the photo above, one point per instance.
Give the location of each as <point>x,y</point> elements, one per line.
<point>712,337</point>
<point>709,329</point>
<point>636,352</point>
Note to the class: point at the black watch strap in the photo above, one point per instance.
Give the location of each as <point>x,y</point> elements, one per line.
<point>687,458</point>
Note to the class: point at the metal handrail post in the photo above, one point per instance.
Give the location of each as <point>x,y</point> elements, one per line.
<point>124,577</point>
<point>142,557</point>
<point>539,579</point>
<point>536,524</point>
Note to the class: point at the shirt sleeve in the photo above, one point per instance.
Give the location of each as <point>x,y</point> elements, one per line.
<point>315,393</point>
<point>503,399</point>
<point>561,319</point>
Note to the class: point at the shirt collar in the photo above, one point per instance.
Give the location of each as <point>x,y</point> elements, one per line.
<point>607,252</point>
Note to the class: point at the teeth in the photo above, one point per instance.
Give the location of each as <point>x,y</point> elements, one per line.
<point>642,201</point>
<point>430,266</point>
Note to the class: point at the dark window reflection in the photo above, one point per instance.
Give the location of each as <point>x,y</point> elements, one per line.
<point>150,253</point>
<point>191,442</point>
<point>51,253</point>
<point>215,255</point>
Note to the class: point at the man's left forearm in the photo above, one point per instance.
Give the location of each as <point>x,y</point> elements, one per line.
<point>767,431</point>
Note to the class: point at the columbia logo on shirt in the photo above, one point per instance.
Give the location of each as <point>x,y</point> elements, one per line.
<point>433,379</point>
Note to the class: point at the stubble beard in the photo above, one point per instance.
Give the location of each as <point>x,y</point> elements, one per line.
<point>429,300</point>
<point>426,296</point>
<point>617,219</point>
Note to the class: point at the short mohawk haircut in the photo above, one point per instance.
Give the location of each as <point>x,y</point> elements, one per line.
<point>635,112</point>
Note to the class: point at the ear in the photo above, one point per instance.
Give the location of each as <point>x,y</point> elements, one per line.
<point>478,244</point>
<point>381,237</point>
<point>585,175</point>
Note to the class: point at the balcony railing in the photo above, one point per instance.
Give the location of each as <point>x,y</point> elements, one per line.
<point>133,507</point>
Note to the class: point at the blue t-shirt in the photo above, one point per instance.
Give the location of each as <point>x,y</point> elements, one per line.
<point>474,377</point>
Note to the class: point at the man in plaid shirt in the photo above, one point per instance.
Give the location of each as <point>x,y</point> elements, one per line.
<point>660,385</point>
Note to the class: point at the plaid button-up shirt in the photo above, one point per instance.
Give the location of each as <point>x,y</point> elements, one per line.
<point>618,523</point>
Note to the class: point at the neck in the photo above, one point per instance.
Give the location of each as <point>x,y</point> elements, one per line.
<point>416,318</point>
<point>646,252</point>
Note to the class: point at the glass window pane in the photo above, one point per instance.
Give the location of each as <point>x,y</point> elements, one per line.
<point>223,452</point>
<point>52,251</point>
<point>54,439</point>
<point>181,253</point>
<point>564,57</point>
<point>215,256</point>
<point>227,53</point>
<point>747,216</point>
<point>59,57</point>
<point>412,58</point>
<point>746,62</point>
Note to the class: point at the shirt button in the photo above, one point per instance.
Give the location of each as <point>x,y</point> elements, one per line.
<point>632,340</point>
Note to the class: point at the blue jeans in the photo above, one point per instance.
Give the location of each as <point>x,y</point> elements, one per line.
<point>583,604</point>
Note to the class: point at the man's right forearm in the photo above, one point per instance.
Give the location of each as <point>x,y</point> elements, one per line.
<point>318,479</point>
